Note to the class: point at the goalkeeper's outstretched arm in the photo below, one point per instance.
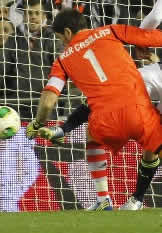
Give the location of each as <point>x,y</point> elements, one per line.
<point>46,105</point>
<point>47,102</point>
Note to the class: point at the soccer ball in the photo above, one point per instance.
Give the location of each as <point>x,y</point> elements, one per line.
<point>9,122</point>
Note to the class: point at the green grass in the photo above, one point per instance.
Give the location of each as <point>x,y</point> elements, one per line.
<point>144,221</point>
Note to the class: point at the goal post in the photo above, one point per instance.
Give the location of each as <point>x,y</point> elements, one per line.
<point>38,176</point>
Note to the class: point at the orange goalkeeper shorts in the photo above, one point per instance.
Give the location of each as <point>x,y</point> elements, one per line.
<point>141,123</point>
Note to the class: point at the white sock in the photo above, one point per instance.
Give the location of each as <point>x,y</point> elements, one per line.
<point>97,164</point>
<point>101,184</point>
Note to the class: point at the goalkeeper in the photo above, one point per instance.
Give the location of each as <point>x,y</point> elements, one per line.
<point>80,116</point>
<point>151,74</point>
<point>107,76</point>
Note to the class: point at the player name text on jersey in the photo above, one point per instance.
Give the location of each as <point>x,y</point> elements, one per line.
<point>78,46</point>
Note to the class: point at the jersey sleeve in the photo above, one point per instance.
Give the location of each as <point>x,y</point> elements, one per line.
<point>154,18</point>
<point>137,36</point>
<point>57,78</point>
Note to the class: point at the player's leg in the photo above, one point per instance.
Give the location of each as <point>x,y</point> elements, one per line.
<point>96,155</point>
<point>97,164</point>
<point>151,141</point>
<point>106,128</point>
<point>146,171</point>
<point>74,120</point>
<point>142,124</point>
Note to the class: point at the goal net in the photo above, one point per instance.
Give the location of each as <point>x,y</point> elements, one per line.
<point>38,176</point>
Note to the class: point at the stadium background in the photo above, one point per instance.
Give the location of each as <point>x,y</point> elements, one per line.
<point>36,176</point>
<point>54,178</point>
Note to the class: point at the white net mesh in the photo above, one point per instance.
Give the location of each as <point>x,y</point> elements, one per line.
<point>34,175</point>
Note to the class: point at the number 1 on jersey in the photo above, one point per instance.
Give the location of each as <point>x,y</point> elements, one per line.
<point>89,54</point>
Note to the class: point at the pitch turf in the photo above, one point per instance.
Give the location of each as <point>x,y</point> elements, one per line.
<point>144,221</point>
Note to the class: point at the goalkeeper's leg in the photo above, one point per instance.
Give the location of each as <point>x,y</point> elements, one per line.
<point>97,163</point>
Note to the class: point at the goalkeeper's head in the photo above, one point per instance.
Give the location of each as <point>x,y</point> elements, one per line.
<point>67,23</point>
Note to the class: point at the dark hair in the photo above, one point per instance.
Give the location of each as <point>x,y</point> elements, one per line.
<point>69,18</point>
<point>35,2</point>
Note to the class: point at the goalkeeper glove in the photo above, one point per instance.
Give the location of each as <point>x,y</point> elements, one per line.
<point>54,134</point>
<point>32,129</point>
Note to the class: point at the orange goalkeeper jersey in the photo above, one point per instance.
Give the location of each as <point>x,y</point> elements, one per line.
<point>99,65</point>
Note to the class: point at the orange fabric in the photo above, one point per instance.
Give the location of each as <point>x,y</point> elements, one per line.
<point>122,76</point>
<point>98,174</point>
<point>101,194</point>
<point>60,73</point>
<point>58,2</point>
<point>80,8</point>
<point>134,122</point>
<point>98,64</point>
<point>96,158</point>
<point>53,89</point>
<point>161,119</point>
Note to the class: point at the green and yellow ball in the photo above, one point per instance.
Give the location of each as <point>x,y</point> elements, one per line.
<point>9,122</point>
